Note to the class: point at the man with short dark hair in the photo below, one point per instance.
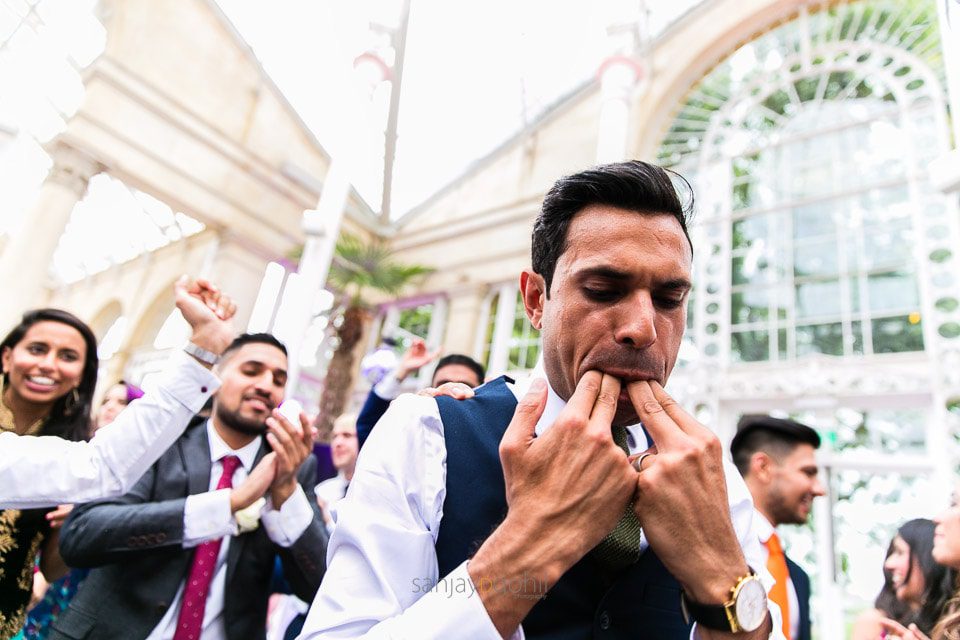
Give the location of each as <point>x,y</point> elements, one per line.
<point>189,552</point>
<point>452,368</point>
<point>555,516</point>
<point>777,459</point>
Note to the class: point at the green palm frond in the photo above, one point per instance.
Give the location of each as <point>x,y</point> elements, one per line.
<point>358,265</point>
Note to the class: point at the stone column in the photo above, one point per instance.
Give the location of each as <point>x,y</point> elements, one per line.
<point>25,262</point>
<point>618,75</point>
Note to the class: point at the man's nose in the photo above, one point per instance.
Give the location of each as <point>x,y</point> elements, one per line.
<point>818,489</point>
<point>636,327</point>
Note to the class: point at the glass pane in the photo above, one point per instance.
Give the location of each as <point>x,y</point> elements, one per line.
<point>886,430</point>
<point>892,291</point>
<point>820,338</point>
<point>749,230</point>
<point>890,245</point>
<point>491,327</point>
<point>813,220</point>
<point>856,328</point>
<point>533,352</point>
<point>817,258</point>
<point>416,320</point>
<point>749,306</point>
<point>816,299</point>
<point>749,346</point>
<point>753,268</point>
<point>893,335</point>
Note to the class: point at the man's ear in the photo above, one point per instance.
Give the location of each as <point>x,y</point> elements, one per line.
<point>533,290</point>
<point>761,466</point>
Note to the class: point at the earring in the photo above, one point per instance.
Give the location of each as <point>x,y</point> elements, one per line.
<point>72,402</point>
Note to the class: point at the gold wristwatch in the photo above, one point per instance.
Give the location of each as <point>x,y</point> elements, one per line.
<point>744,611</point>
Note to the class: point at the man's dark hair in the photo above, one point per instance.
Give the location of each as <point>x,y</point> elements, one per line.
<point>777,437</point>
<point>633,186</point>
<point>253,338</point>
<point>466,361</point>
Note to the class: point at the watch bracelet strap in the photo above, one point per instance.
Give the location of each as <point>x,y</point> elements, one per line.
<point>710,616</point>
<point>201,354</point>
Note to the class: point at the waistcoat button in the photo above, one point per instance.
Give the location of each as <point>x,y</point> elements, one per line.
<point>604,621</point>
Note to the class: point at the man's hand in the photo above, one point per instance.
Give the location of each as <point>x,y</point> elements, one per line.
<point>324,511</point>
<point>207,311</point>
<point>292,444</point>
<point>58,516</point>
<point>681,501</point>
<point>414,357</point>
<point>566,490</point>
<point>456,390</point>
<point>255,485</point>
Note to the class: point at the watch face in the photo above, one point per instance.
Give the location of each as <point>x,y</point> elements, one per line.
<point>751,605</point>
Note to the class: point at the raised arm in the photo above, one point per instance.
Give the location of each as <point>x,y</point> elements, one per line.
<point>47,471</point>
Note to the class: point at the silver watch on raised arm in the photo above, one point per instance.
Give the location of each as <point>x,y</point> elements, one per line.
<point>745,610</point>
<point>201,354</point>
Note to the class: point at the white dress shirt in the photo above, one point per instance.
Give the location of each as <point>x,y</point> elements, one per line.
<point>207,516</point>
<point>765,529</point>
<point>389,387</point>
<point>44,471</point>
<point>381,559</point>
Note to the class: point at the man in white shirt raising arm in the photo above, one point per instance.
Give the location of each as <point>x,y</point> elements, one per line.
<point>44,471</point>
<point>561,516</point>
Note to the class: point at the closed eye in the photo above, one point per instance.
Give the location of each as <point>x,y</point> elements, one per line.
<point>601,295</point>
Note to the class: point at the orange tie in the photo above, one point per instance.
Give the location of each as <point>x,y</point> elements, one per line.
<point>777,566</point>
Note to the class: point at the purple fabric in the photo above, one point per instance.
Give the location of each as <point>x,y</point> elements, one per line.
<point>133,392</point>
<point>325,468</point>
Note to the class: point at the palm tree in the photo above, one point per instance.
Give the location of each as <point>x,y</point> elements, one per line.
<point>357,266</point>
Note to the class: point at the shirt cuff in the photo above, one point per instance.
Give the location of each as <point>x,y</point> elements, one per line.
<point>775,618</point>
<point>186,381</point>
<point>389,387</point>
<point>286,526</point>
<point>453,609</point>
<point>207,516</point>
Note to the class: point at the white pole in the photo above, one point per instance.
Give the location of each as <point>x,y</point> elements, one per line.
<point>322,227</point>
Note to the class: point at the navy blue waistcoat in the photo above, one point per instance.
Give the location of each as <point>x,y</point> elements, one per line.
<point>641,602</point>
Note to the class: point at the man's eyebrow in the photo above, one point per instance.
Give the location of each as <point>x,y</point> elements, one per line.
<point>262,365</point>
<point>611,273</point>
<point>677,284</point>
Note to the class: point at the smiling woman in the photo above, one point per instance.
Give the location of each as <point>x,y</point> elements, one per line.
<point>49,364</point>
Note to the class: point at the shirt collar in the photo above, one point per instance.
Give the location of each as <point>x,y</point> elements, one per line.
<point>220,449</point>
<point>555,404</point>
<point>763,526</point>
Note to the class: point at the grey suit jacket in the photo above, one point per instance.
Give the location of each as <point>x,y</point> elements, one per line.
<point>136,543</point>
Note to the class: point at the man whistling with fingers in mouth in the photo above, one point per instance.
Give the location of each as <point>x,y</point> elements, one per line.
<point>563,491</point>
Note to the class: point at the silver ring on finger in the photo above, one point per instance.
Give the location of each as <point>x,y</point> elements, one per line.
<point>638,463</point>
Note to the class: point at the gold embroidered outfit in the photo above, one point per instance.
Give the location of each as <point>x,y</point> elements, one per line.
<point>21,535</point>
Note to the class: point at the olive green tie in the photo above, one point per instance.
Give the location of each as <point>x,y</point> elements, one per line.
<point>621,547</point>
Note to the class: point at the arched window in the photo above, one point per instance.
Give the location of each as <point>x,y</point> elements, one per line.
<point>827,265</point>
<point>811,143</point>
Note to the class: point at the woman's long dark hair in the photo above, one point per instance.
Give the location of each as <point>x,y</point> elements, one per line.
<point>67,419</point>
<point>938,581</point>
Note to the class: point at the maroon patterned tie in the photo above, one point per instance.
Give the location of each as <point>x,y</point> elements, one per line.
<point>190,621</point>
